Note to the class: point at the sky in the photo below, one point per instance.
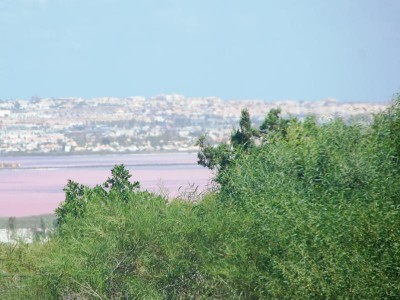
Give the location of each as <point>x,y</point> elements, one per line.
<point>348,50</point>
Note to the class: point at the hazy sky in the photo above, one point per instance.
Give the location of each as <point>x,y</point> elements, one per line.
<point>258,49</point>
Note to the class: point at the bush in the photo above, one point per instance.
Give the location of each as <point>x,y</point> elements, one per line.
<point>77,195</point>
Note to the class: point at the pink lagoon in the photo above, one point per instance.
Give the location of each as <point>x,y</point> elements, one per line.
<point>36,186</point>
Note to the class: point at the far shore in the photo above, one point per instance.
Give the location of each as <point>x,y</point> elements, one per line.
<point>72,153</point>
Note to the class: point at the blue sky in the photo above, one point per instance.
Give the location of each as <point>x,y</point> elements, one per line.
<point>234,49</point>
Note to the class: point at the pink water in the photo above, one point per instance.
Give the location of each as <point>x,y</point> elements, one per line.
<point>36,187</point>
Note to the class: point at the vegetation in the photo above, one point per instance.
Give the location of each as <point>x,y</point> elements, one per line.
<point>304,211</point>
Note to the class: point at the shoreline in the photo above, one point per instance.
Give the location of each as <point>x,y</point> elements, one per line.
<point>89,153</point>
<point>99,166</point>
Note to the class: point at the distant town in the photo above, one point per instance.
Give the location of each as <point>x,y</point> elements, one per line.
<point>140,124</point>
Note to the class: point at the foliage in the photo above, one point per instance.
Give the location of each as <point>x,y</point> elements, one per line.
<point>214,158</point>
<point>326,212</point>
<point>74,204</point>
<point>273,122</point>
<point>242,140</point>
<point>119,182</point>
<point>388,126</point>
<point>77,195</point>
<point>243,137</point>
<point>313,212</point>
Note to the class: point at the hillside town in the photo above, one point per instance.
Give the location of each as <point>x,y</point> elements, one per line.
<point>143,124</point>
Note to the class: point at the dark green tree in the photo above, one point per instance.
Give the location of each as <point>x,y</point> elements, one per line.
<point>242,140</point>
<point>77,195</point>
<point>273,122</point>
<point>244,135</point>
<point>218,157</point>
<point>74,204</point>
<point>119,182</point>
<point>213,157</point>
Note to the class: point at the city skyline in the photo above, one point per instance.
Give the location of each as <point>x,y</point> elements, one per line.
<point>139,124</point>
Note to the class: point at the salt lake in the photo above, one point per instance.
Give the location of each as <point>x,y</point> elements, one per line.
<point>36,186</point>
